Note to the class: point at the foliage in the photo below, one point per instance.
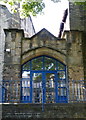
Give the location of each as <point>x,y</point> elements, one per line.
<point>32,7</point>
<point>26,7</point>
<point>81,3</point>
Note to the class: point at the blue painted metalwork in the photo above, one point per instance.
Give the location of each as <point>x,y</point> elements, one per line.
<point>76,91</point>
<point>55,68</point>
<point>3,94</point>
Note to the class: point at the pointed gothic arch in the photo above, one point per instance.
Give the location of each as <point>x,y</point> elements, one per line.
<point>39,70</point>
<point>44,51</point>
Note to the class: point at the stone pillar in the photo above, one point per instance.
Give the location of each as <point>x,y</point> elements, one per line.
<point>12,62</point>
<point>6,20</point>
<point>84,54</point>
<point>75,63</point>
<point>75,55</point>
<point>3,24</point>
<point>77,16</point>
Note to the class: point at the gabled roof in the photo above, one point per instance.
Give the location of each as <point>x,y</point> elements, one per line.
<point>45,34</point>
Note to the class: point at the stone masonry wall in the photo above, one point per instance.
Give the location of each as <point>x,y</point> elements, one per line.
<point>12,61</point>
<point>68,51</point>
<point>78,22</point>
<point>75,64</point>
<point>8,20</point>
<point>18,50</point>
<point>3,24</point>
<point>51,111</point>
<point>77,17</point>
<point>12,58</point>
<point>84,54</point>
<point>74,55</point>
<point>43,43</point>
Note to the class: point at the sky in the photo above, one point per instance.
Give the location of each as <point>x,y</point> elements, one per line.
<point>52,17</point>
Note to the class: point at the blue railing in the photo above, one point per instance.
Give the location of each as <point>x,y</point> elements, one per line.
<point>12,90</point>
<point>77,91</point>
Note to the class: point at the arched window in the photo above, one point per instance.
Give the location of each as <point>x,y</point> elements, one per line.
<point>44,80</point>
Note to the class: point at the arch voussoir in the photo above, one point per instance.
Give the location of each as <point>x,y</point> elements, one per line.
<point>43,51</point>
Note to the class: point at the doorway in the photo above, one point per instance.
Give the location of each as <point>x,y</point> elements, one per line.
<point>43,90</point>
<point>45,81</point>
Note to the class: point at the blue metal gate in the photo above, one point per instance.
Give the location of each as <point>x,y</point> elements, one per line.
<point>44,81</point>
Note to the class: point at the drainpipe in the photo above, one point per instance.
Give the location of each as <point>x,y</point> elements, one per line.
<point>62,23</point>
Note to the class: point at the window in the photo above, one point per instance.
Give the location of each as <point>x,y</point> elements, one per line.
<point>44,80</point>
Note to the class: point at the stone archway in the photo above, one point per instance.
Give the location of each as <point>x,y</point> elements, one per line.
<point>43,51</point>
<point>44,80</point>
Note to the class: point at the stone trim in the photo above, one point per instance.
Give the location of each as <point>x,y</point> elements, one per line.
<point>43,51</point>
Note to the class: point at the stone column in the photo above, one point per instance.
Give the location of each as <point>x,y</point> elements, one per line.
<point>12,62</point>
<point>75,64</point>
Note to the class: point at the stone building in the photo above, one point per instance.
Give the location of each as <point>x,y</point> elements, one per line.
<point>8,20</point>
<point>78,22</point>
<point>42,70</point>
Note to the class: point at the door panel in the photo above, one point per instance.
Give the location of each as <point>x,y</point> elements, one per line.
<point>61,87</point>
<point>25,90</point>
<point>37,88</point>
<point>50,87</point>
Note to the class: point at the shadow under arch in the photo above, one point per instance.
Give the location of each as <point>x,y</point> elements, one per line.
<point>43,51</point>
